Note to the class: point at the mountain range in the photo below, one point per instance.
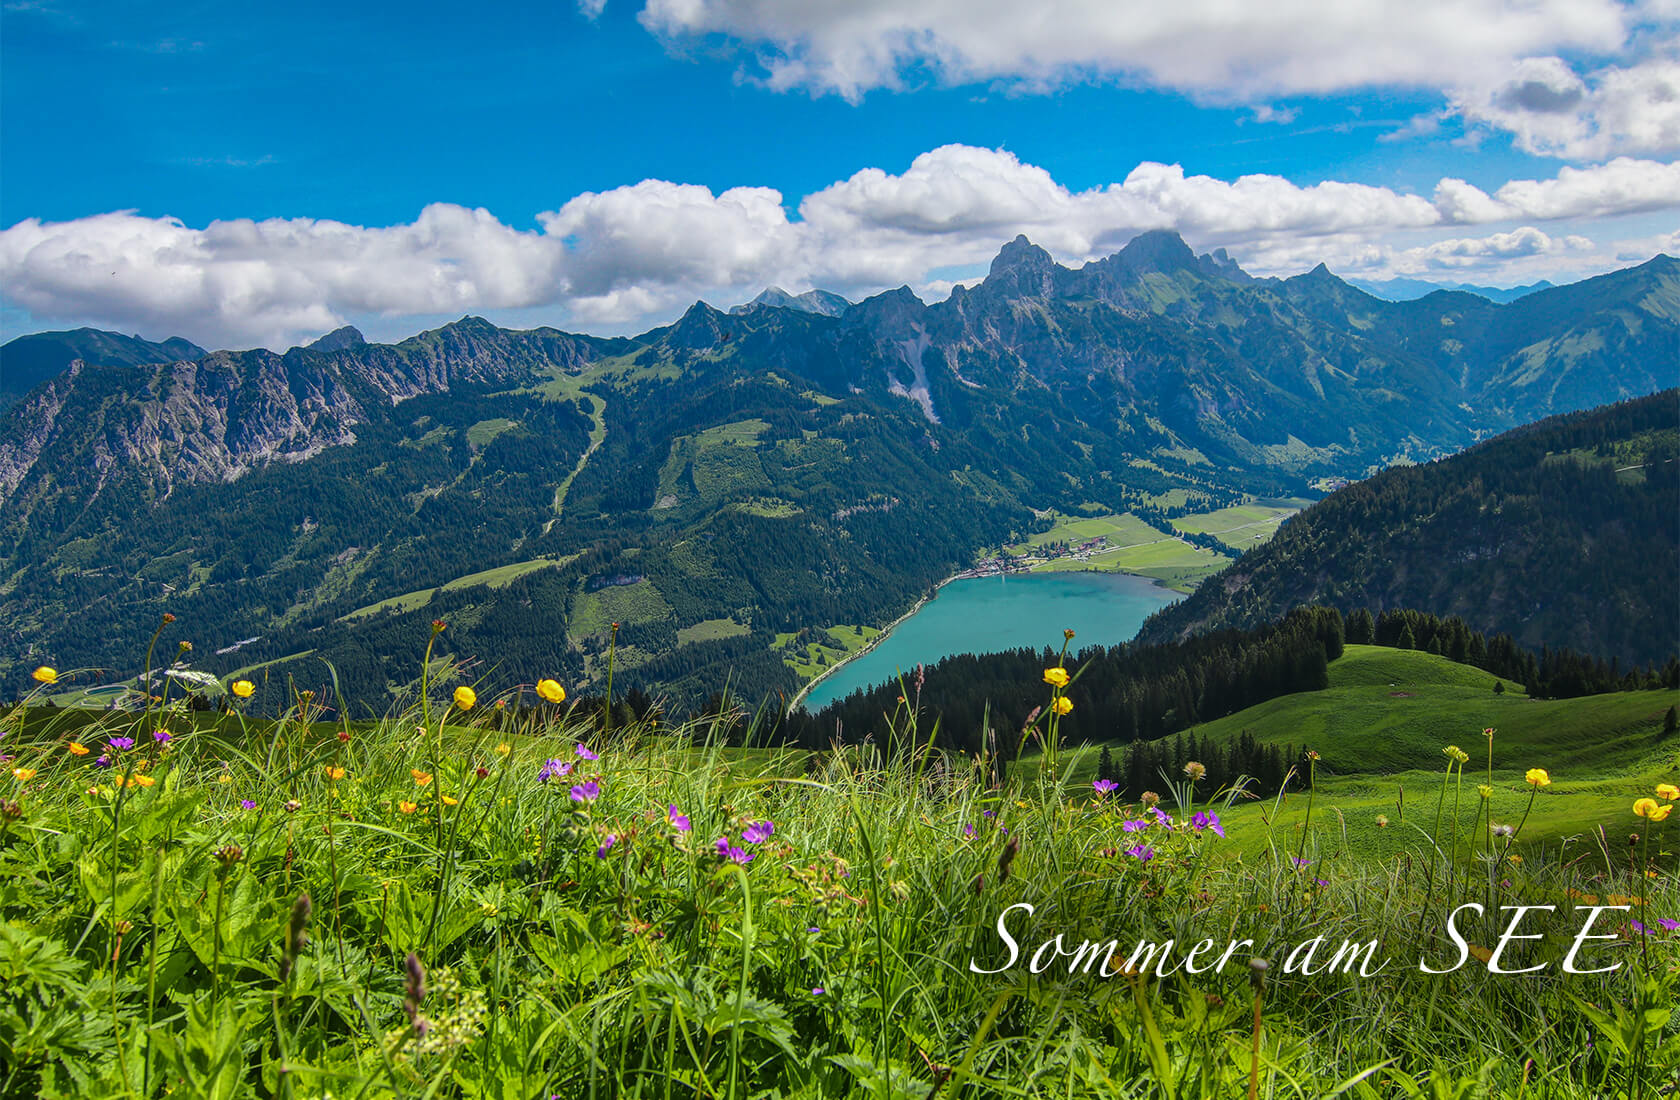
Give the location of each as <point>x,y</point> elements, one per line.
<point>1404,290</point>
<point>716,483</point>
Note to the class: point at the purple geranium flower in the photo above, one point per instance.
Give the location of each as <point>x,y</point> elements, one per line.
<point>1669,923</point>
<point>1322,881</point>
<point>818,990</point>
<point>758,834</point>
<point>552,768</point>
<point>102,762</point>
<point>1103,786</point>
<point>729,851</point>
<point>680,822</point>
<point>1143,852</point>
<point>1206,820</point>
<point>587,791</point>
<point>585,753</point>
<point>606,846</point>
<point>1298,861</point>
<point>121,742</point>
<point>162,737</point>
<point>1161,816</point>
<point>988,813</point>
<point>1640,928</point>
<point>1136,826</point>
<point>740,856</point>
<point>968,830</point>
<point>246,803</point>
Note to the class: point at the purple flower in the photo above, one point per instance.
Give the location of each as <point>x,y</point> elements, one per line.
<point>120,742</point>
<point>988,813</point>
<point>818,990</point>
<point>246,803</point>
<point>1136,826</point>
<point>585,753</point>
<point>102,762</point>
<point>1640,928</point>
<point>680,822</point>
<point>729,851</point>
<point>1103,786</point>
<point>552,768</point>
<point>587,791</point>
<point>1669,923</point>
<point>1161,816</point>
<point>968,830</point>
<point>606,846</point>
<point>1322,881</point>
<point>161,736</point>
<point>1142,852</point>
<point>758,834</point>
<point>814,930</point>
<point>1205,820</point>
<point>1298,861</point>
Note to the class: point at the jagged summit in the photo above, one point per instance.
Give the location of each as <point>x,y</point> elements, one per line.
<point>1157,250</point>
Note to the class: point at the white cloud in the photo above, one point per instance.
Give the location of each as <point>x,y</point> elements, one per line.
<point>1551,110</point>
<point>637,255</point>
<point>1210,47</point>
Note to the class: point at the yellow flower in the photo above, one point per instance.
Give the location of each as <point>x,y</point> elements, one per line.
<point>551,690</point>
<point>142,780</point>
<point>224,778</point>
<point>407,807</point>
<point>1484,790</point>
<point>503,749</point>
<point>465,697</point>
<point>1537,777</point>
<point>420,778</point>
<point>46,674</point>
<point>1644,807</point>
<point>1062,704</point>
<point>1668,791</point>
<point>334,773</point>
<point>1056,677</point>
<point>1660,813</point>
<point>448,801</point>
<point>78,749</point>
<point>23,775</point>
<point>243,688</point>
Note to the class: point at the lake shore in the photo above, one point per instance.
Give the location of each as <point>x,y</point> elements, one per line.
<point>920,605</point>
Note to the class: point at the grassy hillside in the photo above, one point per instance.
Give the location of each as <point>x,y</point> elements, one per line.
<point>1380,729</point>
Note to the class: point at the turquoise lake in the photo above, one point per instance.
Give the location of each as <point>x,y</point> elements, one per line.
<point>987,614</point>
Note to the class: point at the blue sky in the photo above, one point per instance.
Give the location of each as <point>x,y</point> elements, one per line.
<point>255,174</point>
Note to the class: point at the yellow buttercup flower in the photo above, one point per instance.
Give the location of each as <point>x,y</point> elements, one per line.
<point>551,691</point>
<point>1056,677</point>
<point>1537,777</point>
<point>465,697</point>
<point>1644,807</point>
<point>1668,791</point>
<point>142,780</point>
<point>448,801</point>
<point>1062,704</point>
<point>420,778</point>
<point>224,778</point>
<point>334,773</point>
<point>23,775</point>
<point>78,749</point>
<point>46,674</point>
<point>407,807</point>
<point>503,749</point>
<point>1660,813</point>
<point>243,688</point>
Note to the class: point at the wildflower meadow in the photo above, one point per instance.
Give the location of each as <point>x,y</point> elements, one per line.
<point>492,893</point>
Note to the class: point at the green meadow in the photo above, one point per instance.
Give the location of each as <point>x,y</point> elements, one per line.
<point>489,895</point>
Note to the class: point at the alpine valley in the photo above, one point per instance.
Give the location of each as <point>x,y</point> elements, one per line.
<point>720,490</point>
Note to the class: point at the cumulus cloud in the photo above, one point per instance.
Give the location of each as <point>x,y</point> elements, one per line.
<point>638,254</point>
<point>1551,110</point>
<point>1210,47</point>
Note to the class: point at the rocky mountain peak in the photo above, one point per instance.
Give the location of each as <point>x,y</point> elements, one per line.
<point>338,339</point>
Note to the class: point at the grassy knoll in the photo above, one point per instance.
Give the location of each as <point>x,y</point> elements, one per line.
<point>465,901</point>
<point>708,630</point>
<point>499,577</point>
